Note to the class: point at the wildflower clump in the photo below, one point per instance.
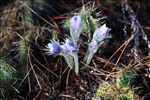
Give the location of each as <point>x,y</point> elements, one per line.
<point>81,23</point>
<point>126,78</point>
<point>68,50</point>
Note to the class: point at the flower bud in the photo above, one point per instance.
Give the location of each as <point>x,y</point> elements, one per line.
<point>101,33</point>
<point>75,22</point>
<point>75,28</point>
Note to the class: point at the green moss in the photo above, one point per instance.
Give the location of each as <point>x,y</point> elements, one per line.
<point>126,78</point>
<point>127,94</point>
<point>93,23</point>
<point>84,26</point>
<point>121,90</point>
<point>106,91</point>
<point>6,71</point>
<point>111,92</point>
<point>66,26</point>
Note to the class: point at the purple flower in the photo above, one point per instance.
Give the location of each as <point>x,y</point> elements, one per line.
<point>75,22</point>
<point>64,47</point>
<point>101,33</point>
<point>69,46</point>
<point>54,48</point>
<point>99,36</point>
<point>69,42</point>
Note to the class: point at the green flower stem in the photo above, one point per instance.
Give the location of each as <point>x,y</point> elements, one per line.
<point>76,69</point>
<point>86,55</point>
<point>75,37</point>
<point>68,59</point>
<point>89,54</point>
<point>89,58</point>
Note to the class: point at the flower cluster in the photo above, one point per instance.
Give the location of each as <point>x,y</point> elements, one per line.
<point>68,50</point>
